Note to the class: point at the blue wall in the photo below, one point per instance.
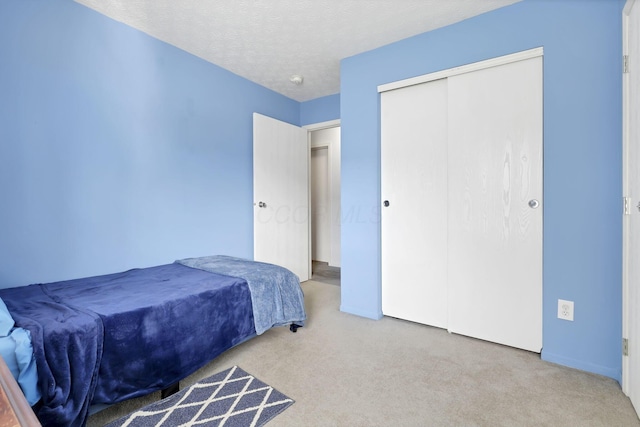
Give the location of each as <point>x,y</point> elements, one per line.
<point>117,150</point>
<point>320,110</point>
<point>582,161</point>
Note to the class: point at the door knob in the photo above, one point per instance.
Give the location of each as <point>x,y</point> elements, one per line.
<point>262,205</point>
<point>386,204</point>
<point>533,203</point>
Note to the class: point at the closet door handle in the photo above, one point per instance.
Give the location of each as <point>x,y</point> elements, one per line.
<point>386,203</point>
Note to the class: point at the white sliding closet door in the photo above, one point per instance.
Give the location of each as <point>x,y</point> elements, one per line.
<point>495,204</point>
<point>462,193</point>
<point>414,183</point>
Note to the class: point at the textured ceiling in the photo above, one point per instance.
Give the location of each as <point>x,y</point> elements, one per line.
<point>267,41</point>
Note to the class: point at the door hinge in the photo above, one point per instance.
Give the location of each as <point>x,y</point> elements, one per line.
<point>627,205</point>
<point>625,347</point>
<point>625,64</point>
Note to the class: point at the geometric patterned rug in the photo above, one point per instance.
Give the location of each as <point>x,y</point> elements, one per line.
<point>232,398</point>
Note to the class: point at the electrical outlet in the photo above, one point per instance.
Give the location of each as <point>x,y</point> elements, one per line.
<point>565,310</point>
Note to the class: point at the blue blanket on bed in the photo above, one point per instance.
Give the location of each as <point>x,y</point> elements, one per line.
<point>275,291</point>
<point>67,373</point>
<point>108,338</point>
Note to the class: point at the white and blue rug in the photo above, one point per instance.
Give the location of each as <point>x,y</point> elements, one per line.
<point>232,398</point>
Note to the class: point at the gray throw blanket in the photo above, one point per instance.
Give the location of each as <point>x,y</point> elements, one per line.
<point>275,291</point>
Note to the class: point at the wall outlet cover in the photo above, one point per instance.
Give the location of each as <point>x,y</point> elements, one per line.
<point>565,310</point>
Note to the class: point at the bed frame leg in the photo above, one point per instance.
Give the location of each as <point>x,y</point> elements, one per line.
<point>172,389</point>
<point>294,328</point>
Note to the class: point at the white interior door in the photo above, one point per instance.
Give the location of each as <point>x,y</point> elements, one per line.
<point>327,136</point>
<point>281,194</point>
<point>320,205</point>
<point>631,363</point>
<point>414,183</point>
<point>495,171</point>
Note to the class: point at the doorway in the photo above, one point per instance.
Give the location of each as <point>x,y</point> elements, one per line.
<point>282,194</point>
<point>324,194</point>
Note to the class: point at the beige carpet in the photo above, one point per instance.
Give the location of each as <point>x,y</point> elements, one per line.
<point>343,370</point>
<point>322,272</point>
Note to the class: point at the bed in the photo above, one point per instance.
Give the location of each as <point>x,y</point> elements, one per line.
<point>105,339</point>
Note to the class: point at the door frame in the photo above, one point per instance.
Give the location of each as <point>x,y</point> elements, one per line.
<point>450,72</point>
<point>310,128</point>
<point>627,304</point>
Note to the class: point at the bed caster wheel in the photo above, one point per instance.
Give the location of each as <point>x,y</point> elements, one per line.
<point>294,328</point>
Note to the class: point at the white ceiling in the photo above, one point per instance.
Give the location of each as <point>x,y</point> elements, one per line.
<point>267,41</point>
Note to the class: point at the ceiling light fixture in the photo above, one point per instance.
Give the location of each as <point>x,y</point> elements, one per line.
<point>296,79</point>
